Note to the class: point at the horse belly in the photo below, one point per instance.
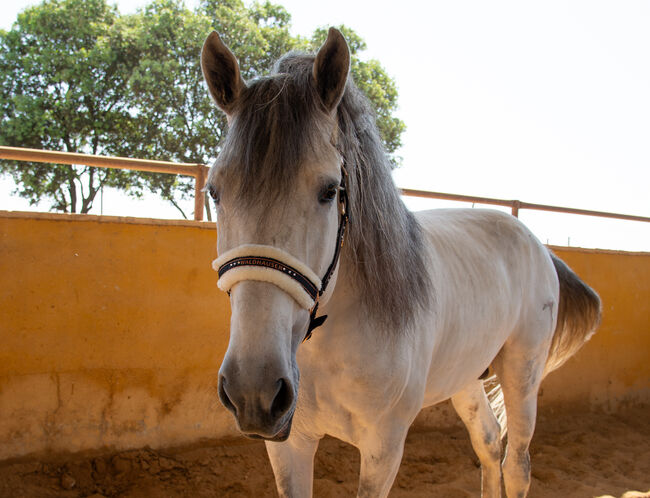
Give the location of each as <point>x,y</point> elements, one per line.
<point>452,369</point>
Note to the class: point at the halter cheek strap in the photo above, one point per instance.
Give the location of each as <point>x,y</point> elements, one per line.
<point>269,264</point>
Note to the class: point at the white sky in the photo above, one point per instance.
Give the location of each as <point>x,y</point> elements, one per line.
<point>546,102</point>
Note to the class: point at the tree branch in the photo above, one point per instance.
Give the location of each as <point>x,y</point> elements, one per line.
<point>177,207</point>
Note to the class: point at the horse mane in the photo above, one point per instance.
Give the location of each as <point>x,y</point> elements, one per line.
<point>383,246</point>
<point>384,239</point>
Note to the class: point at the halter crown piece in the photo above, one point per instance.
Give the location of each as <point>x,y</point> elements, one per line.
<point>270,264</point>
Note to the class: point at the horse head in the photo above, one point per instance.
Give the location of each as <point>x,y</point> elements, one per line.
<point>277,185</point>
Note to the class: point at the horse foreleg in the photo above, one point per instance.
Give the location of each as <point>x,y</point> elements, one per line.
<point>381,455</point>
<point>293,464</point>
<point>474,409</point>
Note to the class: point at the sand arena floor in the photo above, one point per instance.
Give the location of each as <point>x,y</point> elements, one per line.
<point>573,455</point>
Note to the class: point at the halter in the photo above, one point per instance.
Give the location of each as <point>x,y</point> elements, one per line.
<point>270,264</point>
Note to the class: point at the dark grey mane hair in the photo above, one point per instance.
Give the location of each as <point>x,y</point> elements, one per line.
<point>383,246</point>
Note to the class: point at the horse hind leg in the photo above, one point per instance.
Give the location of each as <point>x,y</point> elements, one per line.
<point>474,409</point>
<point>519,367</point>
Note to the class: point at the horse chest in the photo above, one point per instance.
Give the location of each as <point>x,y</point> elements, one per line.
<point>342,392</point>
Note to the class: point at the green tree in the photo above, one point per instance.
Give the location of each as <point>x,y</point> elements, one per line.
<point>171,111</point>
<point>77,76</point>
<point>64,68</point>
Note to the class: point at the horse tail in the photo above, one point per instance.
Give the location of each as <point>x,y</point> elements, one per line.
<point>578,317</point>
<point>494,392</point>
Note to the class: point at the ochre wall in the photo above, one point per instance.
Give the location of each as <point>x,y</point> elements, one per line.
<point>613,369</point>
<point>112,331</point>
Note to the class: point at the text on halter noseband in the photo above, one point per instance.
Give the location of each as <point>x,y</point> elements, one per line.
<point>309,287</point>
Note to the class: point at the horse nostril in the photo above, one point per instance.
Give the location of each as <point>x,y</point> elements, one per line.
<point>283,399</point>
<point>223,396</point>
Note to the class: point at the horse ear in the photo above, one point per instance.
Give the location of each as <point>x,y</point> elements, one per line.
<point>221,73</point>
<point>331,69</point>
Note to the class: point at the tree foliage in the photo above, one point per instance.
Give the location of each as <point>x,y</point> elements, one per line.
<point>77,76</point>
<point>378,86</point>
<point>64,73</point>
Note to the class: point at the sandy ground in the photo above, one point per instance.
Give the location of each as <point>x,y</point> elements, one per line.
<point>573,455</point>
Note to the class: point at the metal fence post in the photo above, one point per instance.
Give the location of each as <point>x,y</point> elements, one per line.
<point>199,194</point>
<point>515,208</point>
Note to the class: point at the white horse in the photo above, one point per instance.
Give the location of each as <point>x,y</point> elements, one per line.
<point>420,306</point>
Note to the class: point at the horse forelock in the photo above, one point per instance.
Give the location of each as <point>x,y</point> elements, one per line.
<point>279,126</point>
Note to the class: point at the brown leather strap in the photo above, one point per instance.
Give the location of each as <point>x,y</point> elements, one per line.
<point>317,321</point>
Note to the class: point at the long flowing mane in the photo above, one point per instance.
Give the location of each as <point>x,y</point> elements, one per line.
<point>385,239</point>
<point>280,123</point>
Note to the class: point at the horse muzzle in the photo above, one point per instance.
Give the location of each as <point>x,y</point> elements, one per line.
<point>282,435</point>
<point>265,412</point>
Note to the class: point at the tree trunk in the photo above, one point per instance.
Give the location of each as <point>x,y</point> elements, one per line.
<point>207,207</point>
<point>87,203</point>
<point>72,189</point>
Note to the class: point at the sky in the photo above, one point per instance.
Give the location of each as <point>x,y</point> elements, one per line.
<point>545,102</point>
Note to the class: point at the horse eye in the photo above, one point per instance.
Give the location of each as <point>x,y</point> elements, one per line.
<point>214,193</point>
<point>328,194</point>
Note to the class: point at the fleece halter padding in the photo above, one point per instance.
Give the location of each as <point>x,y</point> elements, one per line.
<point>268,264</point>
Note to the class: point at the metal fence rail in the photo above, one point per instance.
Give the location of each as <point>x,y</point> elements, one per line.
<point>515,205</point>
<point>199,172</point>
